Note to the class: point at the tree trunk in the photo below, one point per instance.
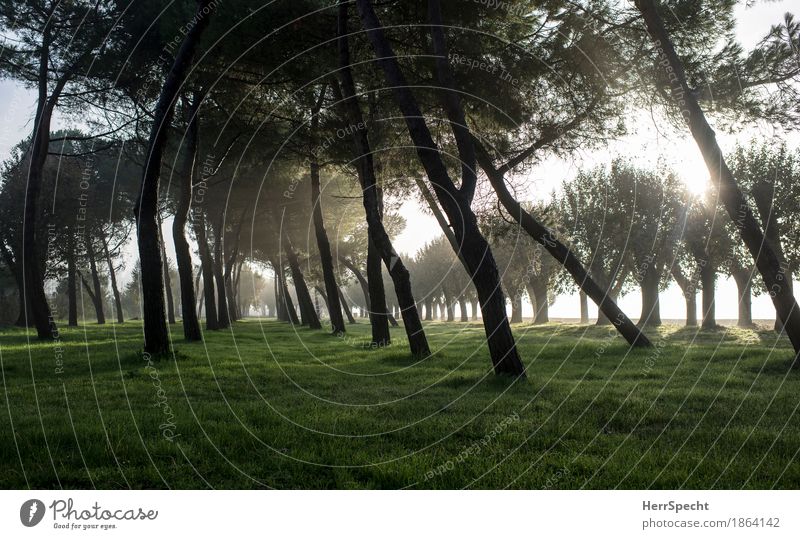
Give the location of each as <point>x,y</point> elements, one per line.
<point>373,203</point>
<point>450,314</point>
<point>516,309</point>
<point>602,317</point>
<point>156,333</point>
<point>98,292</point>
<point>285,303</point>
<point>542,308</point>
<point>345,307</point>
<point>651,308</point>
<point>112,274</point>
<point>708,281</point>
<point>377,296</point>
<point>167,279</point>
<point>223,315</point>
<point>767,262</point>
<point>584,307</point>
<point>323,244</point>
<point>462,307</point>
<point>689,291</point>
<point>33,301</point>
<point>476,253</point>
<point>183,257</point>
<point>72,283</point>
<point>744,287</point>
<point>428,302</point>
<point>474,310</point>
<point>8,257</point>
<point>206,268</point>
<point>308,313</point>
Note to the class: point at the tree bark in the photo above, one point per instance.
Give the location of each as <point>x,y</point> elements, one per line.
<point>476,253</point>
<point>156,333</point>
<point>768,263</point>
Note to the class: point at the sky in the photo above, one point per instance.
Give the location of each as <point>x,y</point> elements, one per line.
<point>17,107</point>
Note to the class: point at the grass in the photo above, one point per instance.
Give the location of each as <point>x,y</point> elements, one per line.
<point>267,406</point>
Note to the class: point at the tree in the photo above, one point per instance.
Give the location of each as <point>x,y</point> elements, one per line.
<point>53,44</point>
<point>156,334</point>
<point>379,240</point>
<point>766,259</point>
<point>769,174</point>
<point>456,201</point>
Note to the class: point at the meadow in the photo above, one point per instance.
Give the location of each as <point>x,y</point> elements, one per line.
<point>266,405</point>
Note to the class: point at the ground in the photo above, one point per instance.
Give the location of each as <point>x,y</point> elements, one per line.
<point>265,405</point>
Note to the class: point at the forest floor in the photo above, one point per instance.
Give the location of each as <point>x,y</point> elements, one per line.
<point>266,405</point>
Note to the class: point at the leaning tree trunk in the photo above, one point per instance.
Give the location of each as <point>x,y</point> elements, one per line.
<point>98,292</point>
<point>323,245</point>
<point>373,203</point>
<point>285,299</point>
<point>112,274</point>
<point>183,257</point>
<point>744,287</point>
<point>156,332</point>
<point>377,296</point>
<point>308,312</point>
<point>455,202</point>
<point>767,261</point>
<point>345,306</point>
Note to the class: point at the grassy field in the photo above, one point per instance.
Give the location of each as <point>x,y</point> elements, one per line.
<point>266,406</point>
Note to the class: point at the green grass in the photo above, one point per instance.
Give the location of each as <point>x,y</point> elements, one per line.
<point>267,406</point>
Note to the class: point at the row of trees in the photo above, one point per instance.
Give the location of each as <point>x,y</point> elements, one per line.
<point>248,126</point>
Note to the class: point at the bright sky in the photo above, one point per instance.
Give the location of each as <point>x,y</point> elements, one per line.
<point>17,107</point>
